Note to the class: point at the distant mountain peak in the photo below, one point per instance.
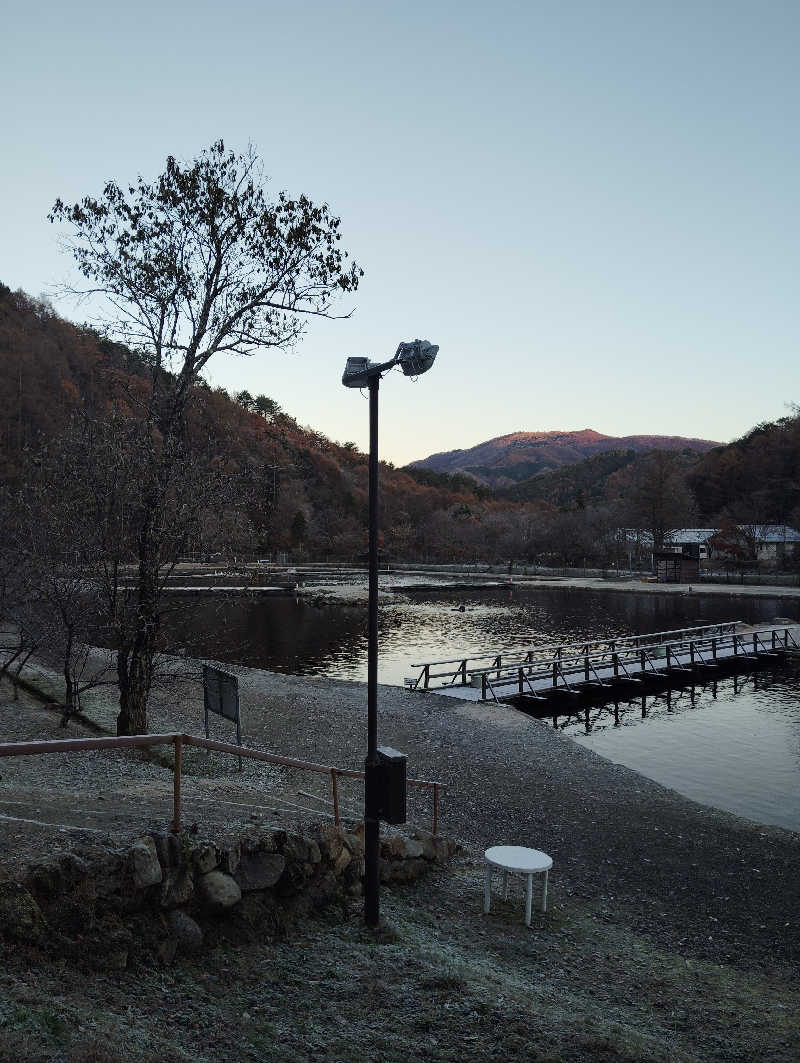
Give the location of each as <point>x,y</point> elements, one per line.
<point>510,458</point>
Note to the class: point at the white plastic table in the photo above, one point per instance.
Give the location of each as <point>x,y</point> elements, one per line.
<point>517,860</point>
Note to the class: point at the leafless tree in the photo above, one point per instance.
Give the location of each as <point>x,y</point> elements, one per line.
<point>197,263</point>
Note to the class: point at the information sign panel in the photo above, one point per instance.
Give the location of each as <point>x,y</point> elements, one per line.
<point>221,696</point>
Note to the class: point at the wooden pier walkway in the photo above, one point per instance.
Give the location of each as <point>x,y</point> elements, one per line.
<point>601,668</point>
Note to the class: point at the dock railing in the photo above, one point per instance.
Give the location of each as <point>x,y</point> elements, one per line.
<point>629,663</point>
<point>178,741</point>
<point>458,671</point>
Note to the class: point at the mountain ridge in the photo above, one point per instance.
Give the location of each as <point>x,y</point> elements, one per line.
<point>516,456</point>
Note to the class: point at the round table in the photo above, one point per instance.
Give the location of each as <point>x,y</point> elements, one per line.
<point>517,860</point>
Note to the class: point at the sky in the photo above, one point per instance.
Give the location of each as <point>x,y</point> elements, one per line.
<point>591,207</point>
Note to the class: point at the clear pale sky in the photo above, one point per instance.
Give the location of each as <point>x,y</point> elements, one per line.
<point>592,207</point>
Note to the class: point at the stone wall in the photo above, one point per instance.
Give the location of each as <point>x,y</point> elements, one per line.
<point>168,895</point>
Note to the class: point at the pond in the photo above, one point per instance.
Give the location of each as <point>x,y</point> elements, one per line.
<point>729,745</point>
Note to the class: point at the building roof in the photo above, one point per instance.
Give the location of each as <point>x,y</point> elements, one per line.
<point>686,536</point>
<point>773,533</point>
<point>763,533</point>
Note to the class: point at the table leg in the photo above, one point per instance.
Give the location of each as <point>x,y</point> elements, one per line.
<point>505,885</point>
<point>544,892</point>
<point>528,899</point>
<point>487,889</point>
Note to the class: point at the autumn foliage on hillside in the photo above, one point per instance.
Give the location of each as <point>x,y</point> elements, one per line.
<point>297,491</point>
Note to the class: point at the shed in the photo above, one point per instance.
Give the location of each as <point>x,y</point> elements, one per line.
<point>672,566</point>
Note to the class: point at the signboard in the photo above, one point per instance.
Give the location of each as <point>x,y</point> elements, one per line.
<point>221,696</point>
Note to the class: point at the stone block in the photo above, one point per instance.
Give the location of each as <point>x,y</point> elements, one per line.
<point>355,843</point>
<point>177,888</point>
<point>185,931</point>
<point>414,849</point>
<point>144,864</point>
<point>330,842</point>
<point>428,843</point>
<point>393,848</point>
<point>205,858</point>
<point>259,870</point>
<point>231,859</point>
<point>169,849</point>
<point>344,858</point>
<point>295,847</point>
<point>219,891</point>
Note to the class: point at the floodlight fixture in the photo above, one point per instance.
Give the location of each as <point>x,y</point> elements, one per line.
<point>414,357</point>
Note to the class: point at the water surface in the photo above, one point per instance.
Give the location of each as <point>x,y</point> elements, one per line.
<point>734,744</point>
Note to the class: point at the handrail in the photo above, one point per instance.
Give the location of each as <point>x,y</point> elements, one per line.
<point>526,656</point>
<point>730,624</point>
<point>677,653</point>
<point>76,745</point>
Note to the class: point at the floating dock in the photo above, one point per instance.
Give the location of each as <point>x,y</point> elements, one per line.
<point>604,667</point>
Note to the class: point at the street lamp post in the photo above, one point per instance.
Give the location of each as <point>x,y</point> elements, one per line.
<point>414,358</point>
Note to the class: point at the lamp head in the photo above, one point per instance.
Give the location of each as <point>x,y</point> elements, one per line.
<point>356,373</point>
<point>416,357</point>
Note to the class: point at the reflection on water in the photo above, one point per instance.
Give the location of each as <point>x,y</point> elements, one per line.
<point>288,635</point>
<point>734,744</point>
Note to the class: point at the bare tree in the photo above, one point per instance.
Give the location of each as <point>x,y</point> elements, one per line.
<point>198,262</point>
<point>659,499</point>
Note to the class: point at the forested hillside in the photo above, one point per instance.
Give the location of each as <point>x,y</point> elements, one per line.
<point>292,489</point>
<point>297,490</point>
<point>754,480</point>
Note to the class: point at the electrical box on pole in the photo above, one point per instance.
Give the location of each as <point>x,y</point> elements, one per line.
<point>392,785</point>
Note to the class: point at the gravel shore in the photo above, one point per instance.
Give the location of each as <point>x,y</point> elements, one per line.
<point>724,888</point>
<point>690,896</point>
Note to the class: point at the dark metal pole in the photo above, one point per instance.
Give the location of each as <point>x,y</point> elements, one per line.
<point>371,794</point>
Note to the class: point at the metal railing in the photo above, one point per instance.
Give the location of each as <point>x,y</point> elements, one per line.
<point>630,663</point>
<point>76,745</point>
<point>466,667</point>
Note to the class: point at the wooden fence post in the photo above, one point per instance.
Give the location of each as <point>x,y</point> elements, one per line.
<point>176,785</point>
<point>335,789</point>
